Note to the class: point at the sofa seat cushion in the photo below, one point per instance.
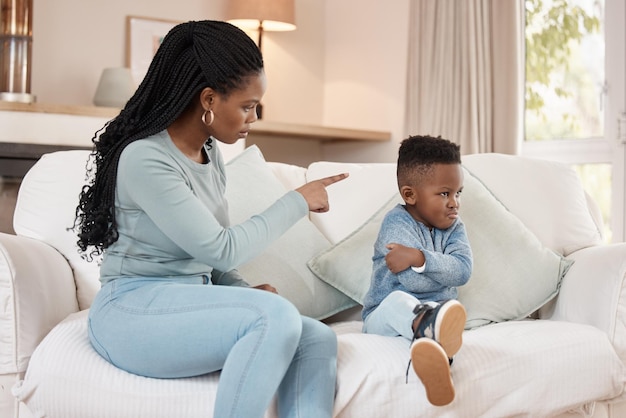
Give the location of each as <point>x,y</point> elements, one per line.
<point>558,365</point>
<point>67,378</point>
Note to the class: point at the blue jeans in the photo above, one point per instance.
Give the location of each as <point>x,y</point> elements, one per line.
<point>181,327</point>
<point>393,317</point>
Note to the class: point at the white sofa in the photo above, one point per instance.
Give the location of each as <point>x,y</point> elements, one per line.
<point>564,359</point>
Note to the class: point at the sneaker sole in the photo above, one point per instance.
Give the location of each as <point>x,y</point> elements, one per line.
<point>431,365</point>
<point>449,329</point>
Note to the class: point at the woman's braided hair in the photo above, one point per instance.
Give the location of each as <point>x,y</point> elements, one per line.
<point>192,56</point>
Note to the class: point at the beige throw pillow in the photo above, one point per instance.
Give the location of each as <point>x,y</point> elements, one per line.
<point>251,188</point>
<point>513,274</point>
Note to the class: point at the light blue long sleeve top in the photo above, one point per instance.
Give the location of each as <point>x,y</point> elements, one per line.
<point>447,253</point>
<point>172,217</point>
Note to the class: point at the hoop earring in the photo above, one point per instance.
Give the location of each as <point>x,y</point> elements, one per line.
<point>204,117</point>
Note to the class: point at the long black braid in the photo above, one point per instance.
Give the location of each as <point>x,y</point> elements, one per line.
<point>192,56</point>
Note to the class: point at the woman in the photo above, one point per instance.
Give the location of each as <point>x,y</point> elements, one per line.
<point>171,303</point>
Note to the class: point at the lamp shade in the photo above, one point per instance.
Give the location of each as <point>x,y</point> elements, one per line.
<point>116,86</point>
<point>275,15</point>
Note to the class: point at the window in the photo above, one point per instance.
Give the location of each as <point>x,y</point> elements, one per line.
<point>571,114</point>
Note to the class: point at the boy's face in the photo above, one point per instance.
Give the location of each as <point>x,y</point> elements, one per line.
<point>435,200</point>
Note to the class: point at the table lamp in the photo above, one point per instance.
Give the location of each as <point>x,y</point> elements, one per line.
<point>262,15</point>
<point>115,87</point>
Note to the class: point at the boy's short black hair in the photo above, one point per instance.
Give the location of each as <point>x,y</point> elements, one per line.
<point>417,154</point>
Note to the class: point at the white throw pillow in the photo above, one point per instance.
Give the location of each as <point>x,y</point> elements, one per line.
<point>291,176</point>
<point>353,200</point>
<point>251,188</point>
<point>546,196</point>
<point>513,274</point>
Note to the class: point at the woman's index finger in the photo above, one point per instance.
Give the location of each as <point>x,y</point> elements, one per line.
<point>327,181</point>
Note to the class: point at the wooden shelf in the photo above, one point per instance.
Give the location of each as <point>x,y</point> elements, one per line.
<point>317,133</point>
<point>261,127</point>
<point>104,112</point>
<point>30,130</point>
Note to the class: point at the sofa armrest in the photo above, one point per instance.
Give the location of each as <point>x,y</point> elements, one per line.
<point>593,292</point>
<point>37,291</point>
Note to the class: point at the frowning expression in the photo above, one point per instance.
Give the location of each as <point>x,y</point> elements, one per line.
<point>434,198</point>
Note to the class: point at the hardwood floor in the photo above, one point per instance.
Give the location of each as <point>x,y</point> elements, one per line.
<point>8,196</point>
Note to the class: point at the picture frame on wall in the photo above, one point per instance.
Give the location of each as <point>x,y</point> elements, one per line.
<point>143,37</point>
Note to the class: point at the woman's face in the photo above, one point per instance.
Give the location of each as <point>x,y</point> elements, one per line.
<point>234,113</point>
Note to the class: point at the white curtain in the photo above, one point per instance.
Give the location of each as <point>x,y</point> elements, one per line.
<point>466,73</point>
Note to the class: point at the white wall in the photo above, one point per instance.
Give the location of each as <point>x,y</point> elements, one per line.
<point>294,63</point>
<point>365,75</point>
<point>73,40</point>
<point>344,66</point>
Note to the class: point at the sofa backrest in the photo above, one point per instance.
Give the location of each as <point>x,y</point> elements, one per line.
<point>354,200</point>
<point>46,205</point>
<point>547,197</point>
<point>45,210</point>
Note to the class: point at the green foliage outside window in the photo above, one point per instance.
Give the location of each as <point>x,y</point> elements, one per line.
<point>554,31</point>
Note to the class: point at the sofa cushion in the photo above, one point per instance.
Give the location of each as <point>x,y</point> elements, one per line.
<point>291,176</point>
<point>527,368</point>
<point>354,200</point>
<point>532,368</point>
<point>251,188</point>
<point>513,274</point>
<point>557,212</point>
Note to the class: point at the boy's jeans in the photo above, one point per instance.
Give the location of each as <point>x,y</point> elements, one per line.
<point>394,316</point>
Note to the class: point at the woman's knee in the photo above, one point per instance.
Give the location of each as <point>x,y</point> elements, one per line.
<point>280,309</point>
<point>319,336</point>
<point>283,317</point>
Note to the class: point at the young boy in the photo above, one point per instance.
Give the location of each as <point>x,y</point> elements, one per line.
<point>421,255</point>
